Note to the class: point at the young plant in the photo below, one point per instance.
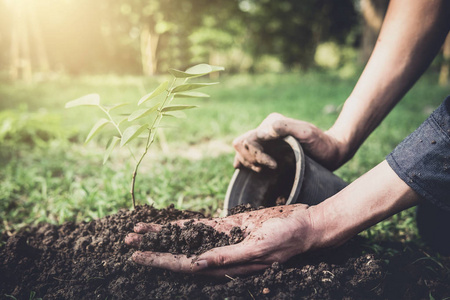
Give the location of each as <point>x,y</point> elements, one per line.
<point>146,119</point>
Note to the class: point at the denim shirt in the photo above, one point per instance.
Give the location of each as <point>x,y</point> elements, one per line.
<point>422,160</point>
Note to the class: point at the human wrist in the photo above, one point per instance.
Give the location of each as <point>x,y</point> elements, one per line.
<point>346,137</point>
<point>378,194</point>
<point>344,149</point>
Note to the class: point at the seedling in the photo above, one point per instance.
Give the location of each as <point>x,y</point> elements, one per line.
<point>146,120</point>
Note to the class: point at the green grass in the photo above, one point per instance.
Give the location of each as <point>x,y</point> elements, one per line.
<point>48,175</point>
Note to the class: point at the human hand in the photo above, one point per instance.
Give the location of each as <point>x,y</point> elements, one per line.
<point>319,145</point>
<point>271,235</point>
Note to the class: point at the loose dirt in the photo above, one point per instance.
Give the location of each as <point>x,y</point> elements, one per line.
<point>90,261</point>
<point>192,239</point>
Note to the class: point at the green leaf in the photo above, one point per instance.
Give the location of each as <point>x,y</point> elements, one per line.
<point>203,69</point>
<point>117,106</point>
<point>96,128</point>
<point>176,114</point>
<point>217,68</point>
<point>190,86</point>
<point>199,69</point>
<point>142,112</point>
<point>131,133</point>
<point>121,121</point>
<point>195,71</point>
<point>88,100</point>
<point>111,145</point>
<point>191,95</point>
<point>177,107</point>
<point>180,74</point>
<point>160,89</point>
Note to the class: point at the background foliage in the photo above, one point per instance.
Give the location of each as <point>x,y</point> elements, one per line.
<point>135,36</point>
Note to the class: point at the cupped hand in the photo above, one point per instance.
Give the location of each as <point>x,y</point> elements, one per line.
<point>319,145</point>
<point>271,235</point>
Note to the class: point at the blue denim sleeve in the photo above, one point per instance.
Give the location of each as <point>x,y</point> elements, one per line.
<point>422,160</point>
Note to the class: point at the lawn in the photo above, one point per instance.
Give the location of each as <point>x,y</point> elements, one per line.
<point>49,175</point>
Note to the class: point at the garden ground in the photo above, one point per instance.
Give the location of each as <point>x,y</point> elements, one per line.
<point>49,176</point>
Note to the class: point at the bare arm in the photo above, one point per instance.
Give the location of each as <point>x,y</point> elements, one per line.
<point>411,36</point>
<point>373,197</point>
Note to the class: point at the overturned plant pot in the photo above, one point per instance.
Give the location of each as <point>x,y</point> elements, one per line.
<point>89,260</point>
<point>297,179</point>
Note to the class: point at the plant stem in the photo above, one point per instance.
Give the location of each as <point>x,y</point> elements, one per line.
<point>133,179</point>
<point>150,139</point>
<point>111,119</point>
<point>117,127</point>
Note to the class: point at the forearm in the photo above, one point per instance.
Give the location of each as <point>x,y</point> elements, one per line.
<point>375,196</point>
<point>411,36</point>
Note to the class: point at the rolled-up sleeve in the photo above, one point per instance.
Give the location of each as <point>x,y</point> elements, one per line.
<point>422,160</point>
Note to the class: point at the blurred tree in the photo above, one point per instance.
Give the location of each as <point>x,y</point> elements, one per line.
<point>52,34</point>
<point>20,67</point>
<point>148,36</point>
<point>221,30</point>
<point>4,36</point>
<point>163,29</point>
<point>142,25</point>
<point>292,29</point>
<point>25,34</point>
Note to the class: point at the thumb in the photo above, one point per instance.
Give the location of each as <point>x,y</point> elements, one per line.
<point>224,257</point>
<point>228,261</point>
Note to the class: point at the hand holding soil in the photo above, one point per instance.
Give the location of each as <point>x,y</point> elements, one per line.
<point>270,235</point>
<point>322,146</point>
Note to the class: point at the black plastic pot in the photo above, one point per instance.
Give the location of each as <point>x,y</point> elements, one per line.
<point>297,179</point>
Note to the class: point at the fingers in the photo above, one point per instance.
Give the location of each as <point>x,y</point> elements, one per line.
<point>235,270</point>
<point>256,152</point>
<point>133,239</point>
<point>147,227</point>
<point>274,126</point>
<point>240,161</point>
<point>228,260</point>
<point>173,262</point>
<point>251,155</point>
<point>249,146</point>
<point>183,264</point>
<point>226,257</point>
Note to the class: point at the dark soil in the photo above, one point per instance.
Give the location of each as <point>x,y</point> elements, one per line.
<point>192,239</point>
<point>90,261</point>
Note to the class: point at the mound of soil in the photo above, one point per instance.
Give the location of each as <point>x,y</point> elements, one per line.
<point>192,239</point>
<point>90,261</point>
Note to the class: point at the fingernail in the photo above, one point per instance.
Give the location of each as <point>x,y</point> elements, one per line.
<point>199,265</point>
